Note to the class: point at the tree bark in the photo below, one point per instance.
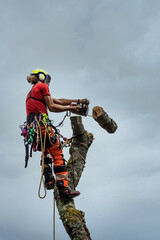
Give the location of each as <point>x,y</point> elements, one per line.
<point>104,120</point>
<point>73,219</point>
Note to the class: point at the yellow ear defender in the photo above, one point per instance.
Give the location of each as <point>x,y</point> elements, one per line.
<point>41,76</point>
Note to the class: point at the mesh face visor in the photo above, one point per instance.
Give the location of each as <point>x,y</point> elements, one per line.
<point>48,79</point>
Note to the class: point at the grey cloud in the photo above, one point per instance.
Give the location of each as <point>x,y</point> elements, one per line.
<point>107,51</point>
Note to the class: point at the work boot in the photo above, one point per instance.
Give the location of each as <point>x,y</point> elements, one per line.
<point>49,178</point>
<point>65,193</point>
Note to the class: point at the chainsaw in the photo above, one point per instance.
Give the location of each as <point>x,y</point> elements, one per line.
<point>84,107</point>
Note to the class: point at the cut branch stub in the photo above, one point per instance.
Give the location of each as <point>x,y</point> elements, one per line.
<point>104,120</point>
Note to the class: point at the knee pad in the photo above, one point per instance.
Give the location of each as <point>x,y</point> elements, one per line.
<point>47,160</point>
<point>49,178</point>
<point>60,169</point>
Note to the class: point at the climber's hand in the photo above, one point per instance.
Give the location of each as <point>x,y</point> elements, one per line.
<point>85,99</point>
<point>75,109</point>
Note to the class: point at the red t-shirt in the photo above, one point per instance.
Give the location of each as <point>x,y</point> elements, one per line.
<point>35,99</point>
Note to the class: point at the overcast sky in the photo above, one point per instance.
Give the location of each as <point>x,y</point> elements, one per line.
<point>109,52</point>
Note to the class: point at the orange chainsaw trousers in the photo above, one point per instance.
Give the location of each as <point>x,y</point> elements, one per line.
<point>56,154</point>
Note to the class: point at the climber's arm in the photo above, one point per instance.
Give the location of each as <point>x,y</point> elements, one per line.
<point>55,106</point>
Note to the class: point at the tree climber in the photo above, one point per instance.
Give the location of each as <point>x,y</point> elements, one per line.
<point>38,101</point>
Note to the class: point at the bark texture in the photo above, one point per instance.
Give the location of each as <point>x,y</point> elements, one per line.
<point>104,120</point>
<point>73,219</point>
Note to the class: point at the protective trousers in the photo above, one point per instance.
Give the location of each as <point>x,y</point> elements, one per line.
<point>56,153</point>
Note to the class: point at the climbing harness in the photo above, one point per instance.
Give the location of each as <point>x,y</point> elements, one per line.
<point>32,133</point>
<point>31,130</point>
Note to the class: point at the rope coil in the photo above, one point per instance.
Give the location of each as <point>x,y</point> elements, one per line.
<point>42,171</point>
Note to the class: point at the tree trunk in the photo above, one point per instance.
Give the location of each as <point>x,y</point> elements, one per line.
<point>73,219</point>
<point>104,120</point>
